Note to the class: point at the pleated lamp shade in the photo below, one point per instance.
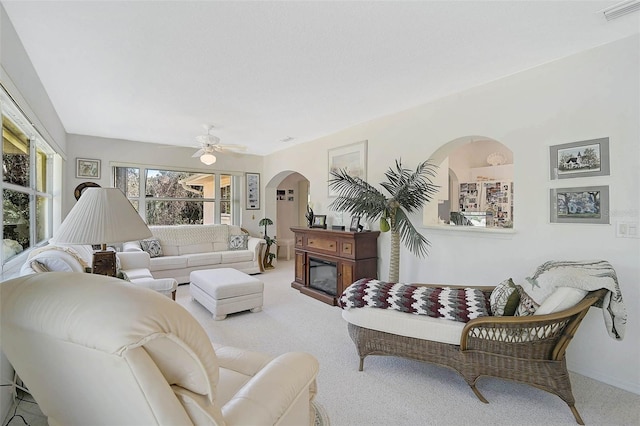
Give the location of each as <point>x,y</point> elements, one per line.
<point>102,216</point>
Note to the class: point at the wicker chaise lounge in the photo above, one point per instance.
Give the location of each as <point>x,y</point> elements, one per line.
<point>528,349</point>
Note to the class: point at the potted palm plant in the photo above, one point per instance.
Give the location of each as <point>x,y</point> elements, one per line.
<point>267,260</point>
<point>408,192</point>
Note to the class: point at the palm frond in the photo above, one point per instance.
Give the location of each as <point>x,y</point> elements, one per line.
<point>411,190</point>
<point>408,190</point>
<point>355,196</point>
<point>410,237</point>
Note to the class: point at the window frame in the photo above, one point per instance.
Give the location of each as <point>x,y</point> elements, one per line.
<point>142,199</point>
<point>38,145</point>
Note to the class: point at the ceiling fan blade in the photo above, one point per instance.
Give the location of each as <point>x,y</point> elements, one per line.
<point>207,139</point>
<point>198,153</point>
<point>236,148</point>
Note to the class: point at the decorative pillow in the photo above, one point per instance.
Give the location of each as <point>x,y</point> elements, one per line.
<point>457,304</point>
<point>562,298</point>
<point>238,242</point>
<point>504,299</point>
<point>151,246</point>
<point>54,264</point>
<point>527,305</point>
<point>39,266</point>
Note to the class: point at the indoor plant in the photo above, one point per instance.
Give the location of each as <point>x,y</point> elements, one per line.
<point>408,192</point>
<point>267,260</point>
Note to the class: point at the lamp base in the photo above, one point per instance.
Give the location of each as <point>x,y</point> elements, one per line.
<point>104,263</point>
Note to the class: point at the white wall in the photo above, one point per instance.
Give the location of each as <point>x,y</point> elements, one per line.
<point>589,95</point>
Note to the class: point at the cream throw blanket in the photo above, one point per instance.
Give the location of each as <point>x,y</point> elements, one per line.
<point>587,275</point>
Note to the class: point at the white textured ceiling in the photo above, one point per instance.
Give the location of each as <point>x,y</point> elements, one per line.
<point>263,71</point>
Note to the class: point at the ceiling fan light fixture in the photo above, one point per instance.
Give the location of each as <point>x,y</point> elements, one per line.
<point>208,158</point>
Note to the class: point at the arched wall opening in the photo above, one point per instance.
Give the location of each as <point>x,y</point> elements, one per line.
<point>475,177</point>
<point>286,198</point>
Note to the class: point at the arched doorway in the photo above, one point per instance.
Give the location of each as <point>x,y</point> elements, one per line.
<point>287,195</point>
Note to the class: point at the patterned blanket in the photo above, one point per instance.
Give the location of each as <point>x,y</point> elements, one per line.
<point>587,275</point>
<point>461,304</point>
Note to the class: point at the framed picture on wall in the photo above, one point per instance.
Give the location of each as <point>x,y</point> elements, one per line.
<point>580,159</point>
<point>87,168</point>
<point>588,204</point>
<point>351,158</point>
<point>253,190</point>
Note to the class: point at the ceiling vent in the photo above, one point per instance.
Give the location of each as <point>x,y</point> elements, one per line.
<point>621,9</point>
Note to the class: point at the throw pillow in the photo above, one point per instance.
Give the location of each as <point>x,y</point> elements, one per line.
<point>504,299</point>
<point>151,246</point>
<point>562,298</point>
<point>39,266</point>
<point>238,242</point>
<point>527,305</point>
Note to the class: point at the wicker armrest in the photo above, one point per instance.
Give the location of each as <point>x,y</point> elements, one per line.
<point>537,336</point>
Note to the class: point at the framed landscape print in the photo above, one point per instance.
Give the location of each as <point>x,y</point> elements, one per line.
<point>580,159</point>
<point>253,190</point>
<point>352,158</point>
<point>87,168</point>
<point>589,204</point>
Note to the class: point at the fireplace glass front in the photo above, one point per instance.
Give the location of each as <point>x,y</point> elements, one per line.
<point>323,276</point>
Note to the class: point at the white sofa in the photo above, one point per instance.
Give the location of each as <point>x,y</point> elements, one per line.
<point>95,351</point>
<point>187,248</point>
<point>78,258</point>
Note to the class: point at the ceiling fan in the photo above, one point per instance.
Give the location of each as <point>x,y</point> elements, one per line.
<point>210,144</point>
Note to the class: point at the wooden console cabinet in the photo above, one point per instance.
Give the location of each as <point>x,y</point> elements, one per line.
<point>354,254</point>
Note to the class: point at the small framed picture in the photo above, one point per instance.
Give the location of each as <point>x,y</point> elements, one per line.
<point>319,221</point>
<point>588,204</point>
<point>87,168</point>
<point>580,159</point>
<point>355,224</point>
<point>252,191</point>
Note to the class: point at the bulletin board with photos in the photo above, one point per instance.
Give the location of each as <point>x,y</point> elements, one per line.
<point>495,198</point>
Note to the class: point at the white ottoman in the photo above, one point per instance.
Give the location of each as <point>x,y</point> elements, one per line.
<point>225,291</point>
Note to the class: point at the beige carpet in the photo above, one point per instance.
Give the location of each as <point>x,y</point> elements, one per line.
<point>395,391</point>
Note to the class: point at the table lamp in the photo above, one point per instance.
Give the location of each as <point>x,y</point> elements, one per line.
<point>102,216</point>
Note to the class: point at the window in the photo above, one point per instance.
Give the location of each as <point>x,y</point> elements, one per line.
<point>171,197</point>
<point>26,188</point>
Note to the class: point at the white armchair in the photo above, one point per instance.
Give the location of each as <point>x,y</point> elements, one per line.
<point>97,350</point>
<point>134,267</point>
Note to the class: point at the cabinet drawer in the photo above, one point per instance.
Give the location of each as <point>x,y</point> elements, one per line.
<point>324,244</point>
<point>347,249</point>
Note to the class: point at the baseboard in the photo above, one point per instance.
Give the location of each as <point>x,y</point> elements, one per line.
<point>604,378</point>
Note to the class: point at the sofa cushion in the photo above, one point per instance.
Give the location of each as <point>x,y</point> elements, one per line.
<point>562,298</point>
<point>205,247</point>
<point>151,246</point>
<point>202,259</point>
<point>403,324</point>
<point>167,262</point>
<point>527,306</point>
<point>236,256</point>
<point>238,242</point>
<point>504,299</point>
